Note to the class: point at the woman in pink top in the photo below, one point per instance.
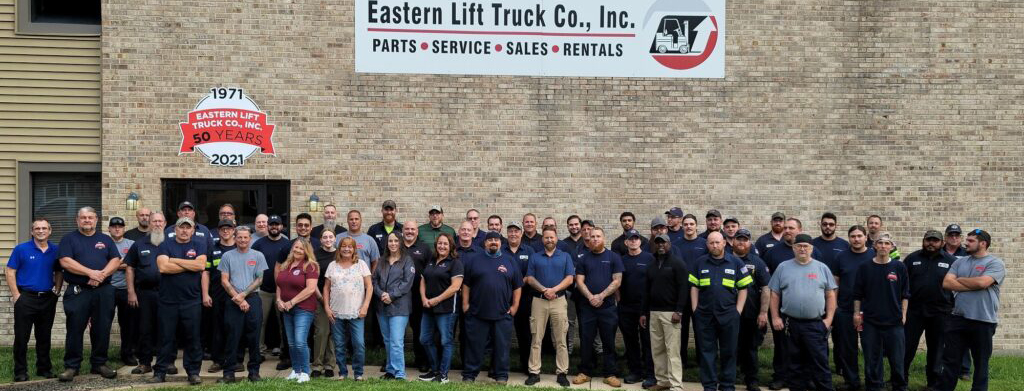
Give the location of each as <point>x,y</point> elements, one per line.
<point>296,300</point>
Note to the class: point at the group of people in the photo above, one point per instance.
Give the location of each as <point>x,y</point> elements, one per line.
<point>331,287</point>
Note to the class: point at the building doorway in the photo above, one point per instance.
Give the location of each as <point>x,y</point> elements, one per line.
<point>249,198</point>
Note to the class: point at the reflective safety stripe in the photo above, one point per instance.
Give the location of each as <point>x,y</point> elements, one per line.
<point>705,282</point>
<point>728,282</point>
<point>693,280</point>
<point>208,265</point>
<point>745,281</point>
<point>894,254</point>
<point>216,262</point>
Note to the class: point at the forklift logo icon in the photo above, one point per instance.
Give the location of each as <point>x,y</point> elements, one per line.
<point>684,41</point>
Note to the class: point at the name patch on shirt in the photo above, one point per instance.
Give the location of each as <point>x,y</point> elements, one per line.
<point>705,271</point>
<point>144,252</point>
<point>944,265</point>
<point>918,263</point>
<point>979,268</point>
<point>251,262</point>
<point>730,271</point>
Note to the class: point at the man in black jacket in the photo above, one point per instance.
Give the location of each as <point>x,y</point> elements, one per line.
<point>929,303</point>
<point>668,293</point>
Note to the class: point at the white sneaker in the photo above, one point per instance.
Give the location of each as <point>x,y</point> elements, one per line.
<point>292,376</point>
<point>303,377</point>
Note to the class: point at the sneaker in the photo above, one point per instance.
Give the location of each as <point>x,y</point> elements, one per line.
<point>359,378</point>
<point>427,376</point>
<point>631,379</point>
<point>581,378</point>
<point>613,381</point>
<point>142,369</point>
<point>532,379</point>
<point>328,373</point>
<point>194,380</point>
<point>104,371</point>
<point>68,375</point>
<point>441,379</point>
<point>563,380</point>
<point>303,377</point>
<point>315,374</point>
<point>292,376</point>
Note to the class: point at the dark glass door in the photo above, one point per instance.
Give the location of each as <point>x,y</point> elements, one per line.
<point>249,198</point>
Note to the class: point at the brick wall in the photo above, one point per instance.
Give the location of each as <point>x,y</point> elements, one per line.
<point>911,110</point>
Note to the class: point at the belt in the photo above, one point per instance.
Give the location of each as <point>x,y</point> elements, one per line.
<point>30,292</point>
<point>818,319</point>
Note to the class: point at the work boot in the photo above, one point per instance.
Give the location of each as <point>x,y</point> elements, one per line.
<point>68,375</point>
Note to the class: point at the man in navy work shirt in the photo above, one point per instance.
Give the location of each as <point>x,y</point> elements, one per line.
<point>531,237</point>
<point>572,243</point>
<point>520,252</point>
<point>774,237</point>
<point>675,223</point>
<point>143,289</point>
<point>803,305</point>
<point>754,319</point>
<point>954,246</point>
<point>828,244</point>
<point>844,334</point>
<point>32,273</point>
<point>89,258</point>
<point>181,261</point>
<point>275,247</point>
<point>717,296</point>
<point>186,209</point>
<point>598,276</point>
<point>880,307</point>
<point>628,222</point>
<point>490,299</point>
<point>549,274</point>
<point>929,304</point>
<point>689,248</point>
<point>388,224</point>
<point>634,284</point>
<point>213,311</point>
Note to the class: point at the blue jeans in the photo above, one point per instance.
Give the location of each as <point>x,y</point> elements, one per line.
<point>444,324</point>
<point>296,326</point>
<point>392,328</point>
<point>349,330</point>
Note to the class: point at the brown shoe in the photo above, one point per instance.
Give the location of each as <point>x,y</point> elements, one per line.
<point>613,381</point>
<point>658,387</point>
<point>581,378</point>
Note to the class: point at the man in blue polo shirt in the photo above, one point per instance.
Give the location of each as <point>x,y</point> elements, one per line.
<point>490,299</point>
<point>598,277</point>
<point>549,274</point>
<point>89,258</point>
<point>144,289</point>
<point>181,261</point>
<point>717,296</point>
<point>32,273</point>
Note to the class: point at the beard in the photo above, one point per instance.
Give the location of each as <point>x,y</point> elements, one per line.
<point>156,237</point>
<point>143,224</point>
<point>330,225</point>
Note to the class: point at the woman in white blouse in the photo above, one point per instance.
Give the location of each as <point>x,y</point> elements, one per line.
<point>346,301</point>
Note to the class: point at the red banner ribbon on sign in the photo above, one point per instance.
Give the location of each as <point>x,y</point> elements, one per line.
<point>226,125</point>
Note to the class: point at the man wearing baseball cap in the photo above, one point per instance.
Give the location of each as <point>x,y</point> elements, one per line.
<point>186,209</point>
<point>713,223</point>
<point>929,304</point>
<point>435,226</point>
<point>954,246</point>
<point>880,307</point>
<point>387,224</point>
<point>773,237</point>
<point>634,280</point>
<point>520,252</point>
<point>127,316</point>
<point>674,218</point>
<point>213,315</point>
<point>803,303</point>
<point>754,319</point>
<point>977,280</point>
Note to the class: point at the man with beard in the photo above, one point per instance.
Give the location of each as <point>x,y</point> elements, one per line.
<point>275,248</point>
<point>929,303</point>
<point>140,230</point>
<point>421,256</point>
<point>88,258</point>
<point>844,335</point>
<point>143,279</point>
<point>874,228</point>
<point>181,261</point>
<point>718,295</point>
<point>667,293</point>
<point>550,274</point>
<point>213,315</point>
<point>713,223</point>
<point>675,223</point>
<point>32,274</point>
<point>330,215</point>
<point>628,222</point>
<point>126,316</point>
<point>658,227</point>
<point>598,278</point>
<point>976,279</point>
<point>572,243</point>
<point>754,319</point>
<point>729,227</point>
<point>954,247</point>
<point>828,244</point>
<point>520,252</point>
<point>880,310</point>
<point>531,237</point>
<point>690,248</point>
<point>434,227</point>
<point>774,237</point>
<point>380,231</point>
<point>634,280</point>
<point>490,299</point>
<point>495,224</point>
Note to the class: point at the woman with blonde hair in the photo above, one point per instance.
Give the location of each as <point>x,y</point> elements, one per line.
<point>296,300</point>
<point>347,294</point>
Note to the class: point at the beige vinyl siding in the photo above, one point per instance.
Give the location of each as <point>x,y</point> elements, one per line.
<point>49,110</point>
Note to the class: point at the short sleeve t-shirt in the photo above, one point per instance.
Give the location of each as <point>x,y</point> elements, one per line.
<point>118,279</point>
<point>34,267</point>
<point>881,290</point>
<point>847,264</point>
<point>92,251</point>
<point>242,267</point>
<point>802,288</point>
<point>142,257</point>
<point>366,247</point>
<point>634,278</point>
<point>829,249</point>
<point>184,287</point>
<point>291,281</point>
<point>438,277</point>
<point>348,289</point>
<point>275,251</point>
<point>492,282</point>
<point>597,271</point>
<point>981,305</point>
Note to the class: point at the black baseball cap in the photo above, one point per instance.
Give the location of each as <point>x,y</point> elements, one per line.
<point>742,233</point>
<point>803,238</point>
<point>186,204</point>
<point>492,235</point>
<point>587,222</point>
<point>389,204</point>
<point>953,229</point>
<point>778,216</point>
<point>274,219</point>
<point>675,212</point>
<point>226,223</point>
<point>663,238</point>
<point>732,219</point>
<point>116,221</point>
<point>933,234</point>
<point>713,212</point>
<point>633,234</point>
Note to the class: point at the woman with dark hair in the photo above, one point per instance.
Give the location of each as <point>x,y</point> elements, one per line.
<point>439,288</point>
<point>392,281</point>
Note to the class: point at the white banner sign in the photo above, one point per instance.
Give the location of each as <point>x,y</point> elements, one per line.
<point>611,38</point>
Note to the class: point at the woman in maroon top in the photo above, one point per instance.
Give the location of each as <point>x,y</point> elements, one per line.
<point>296,289</point>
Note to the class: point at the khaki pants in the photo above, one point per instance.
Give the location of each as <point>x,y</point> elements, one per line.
<point>668,366</point>
<point>322,356</point>
<point>557,311</point>
<point>267,300</point>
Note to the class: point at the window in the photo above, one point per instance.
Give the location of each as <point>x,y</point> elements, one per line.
<point>59,17</point>
<point>56,191</point>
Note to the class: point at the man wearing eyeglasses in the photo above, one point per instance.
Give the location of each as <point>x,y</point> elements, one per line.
<point>829,244</point>
<point>975,280</point>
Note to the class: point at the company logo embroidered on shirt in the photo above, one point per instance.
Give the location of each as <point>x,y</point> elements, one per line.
<point>979,268</point>
<point>144,252</point>
<point>295,272</point>
<point>501,268</point>
<point>191,253</point>
<point>918,263</point>
<point>813,276</point>
<point>892,277</point>
<point>251,262</point>
<point>100,246</point>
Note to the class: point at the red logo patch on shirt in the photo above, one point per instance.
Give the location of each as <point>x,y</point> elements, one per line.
<point>813,276</point>
<point>191,253</point>
<point>892,277</point>
<point>251,262</point>
<point>100,246</point>
<point>979,268</point>
<point>125,251</point>
<point>501,268</point>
